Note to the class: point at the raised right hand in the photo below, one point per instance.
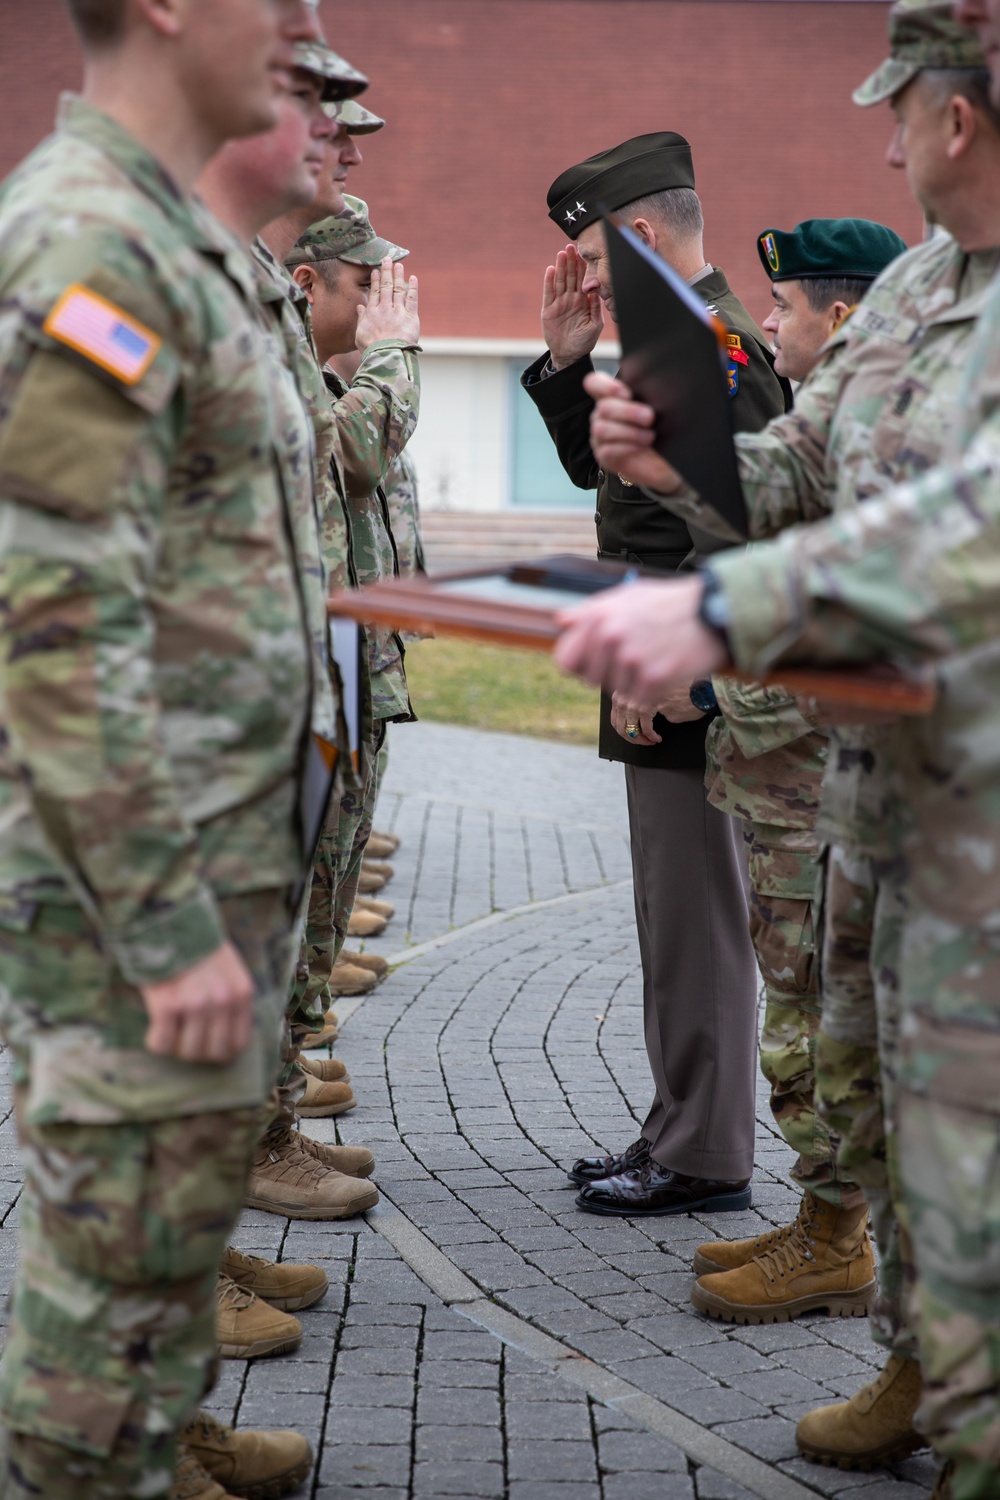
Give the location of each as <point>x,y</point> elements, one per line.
<point>205,1013</point>
<point>572,319</point>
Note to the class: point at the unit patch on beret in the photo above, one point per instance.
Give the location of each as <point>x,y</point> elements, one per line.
<point>103,333</point>
<point>771,251</point>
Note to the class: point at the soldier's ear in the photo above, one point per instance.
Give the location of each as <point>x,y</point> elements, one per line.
<point>305,278</point>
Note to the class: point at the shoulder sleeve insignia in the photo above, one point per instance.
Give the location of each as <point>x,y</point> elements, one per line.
<point>103,333</point>
<point>733,377</point>
<point>736,351</point>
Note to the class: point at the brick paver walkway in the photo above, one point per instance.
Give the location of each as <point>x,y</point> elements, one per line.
<point>481,1337</point>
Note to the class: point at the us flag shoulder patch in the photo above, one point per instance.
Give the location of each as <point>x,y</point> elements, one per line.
<point>103,333</point>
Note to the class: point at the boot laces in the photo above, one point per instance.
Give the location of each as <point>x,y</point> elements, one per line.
<point>231,1294</point>
<point>190,1479</point>
<point>208,1429</point>
<point>787,1257</point>
<point>243,1260</point>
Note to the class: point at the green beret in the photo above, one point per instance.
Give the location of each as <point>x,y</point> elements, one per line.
<point>340,80</point>
<point>357,119</point>
<point>609,180</point>
<point>921,35</point>
<point>345,236</point>
<point>854,248</point>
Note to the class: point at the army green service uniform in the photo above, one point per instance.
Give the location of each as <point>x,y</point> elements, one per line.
<point>699,985</point>
<point>151,779</point>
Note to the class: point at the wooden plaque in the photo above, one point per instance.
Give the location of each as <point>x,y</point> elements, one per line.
<point>517,605</point>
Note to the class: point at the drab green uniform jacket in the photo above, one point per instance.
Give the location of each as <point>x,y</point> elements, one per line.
<point>630,526</point>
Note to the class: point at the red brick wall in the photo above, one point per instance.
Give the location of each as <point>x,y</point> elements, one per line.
<point>488,100</point>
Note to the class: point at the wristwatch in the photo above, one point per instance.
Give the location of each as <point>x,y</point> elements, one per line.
<point>714,610</point>
<point>702,695</point>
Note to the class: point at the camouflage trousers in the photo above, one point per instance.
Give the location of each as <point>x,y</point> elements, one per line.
<point>860,926</point>
<point>135,1173</point>
<point>333,890</point>
<point>948,1151</point>
<point>782,865</point>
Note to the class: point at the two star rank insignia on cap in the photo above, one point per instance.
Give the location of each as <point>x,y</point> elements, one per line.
<point>571,215</point>
<point>103,333</point>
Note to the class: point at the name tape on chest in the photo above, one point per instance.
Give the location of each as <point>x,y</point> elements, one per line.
<point>103,333</point>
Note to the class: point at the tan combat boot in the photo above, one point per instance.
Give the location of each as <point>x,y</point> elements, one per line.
<point>727,1255</point>
<point>347,979</point>
<point>191,1482</point>
<point>322,1100</point>
<point>825,1262</point>
<point>329,1069</point>
<point>369,882</point>
<point>373,962</point>
<point>288,1179</point>
<point>256,1465</point>
<point>380,908</point>
<point>330,1032</point>
<point>247,1328</point>
<point>353,1161</point>
<point>366,924</point>
<point>382,845</point>
<point>874,1428</point>
<point>378,867</point>
<point>287,1287</point>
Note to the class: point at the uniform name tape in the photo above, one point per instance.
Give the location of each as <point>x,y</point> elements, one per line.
<point>103,333</point>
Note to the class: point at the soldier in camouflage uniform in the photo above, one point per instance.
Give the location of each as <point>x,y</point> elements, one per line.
<point>375,417</point>
<point>246,185</point>
<point>908,575</point>
<point>156,812</point>
<point>766,763</point>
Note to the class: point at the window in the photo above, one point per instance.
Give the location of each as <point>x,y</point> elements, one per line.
<point>538,480</point>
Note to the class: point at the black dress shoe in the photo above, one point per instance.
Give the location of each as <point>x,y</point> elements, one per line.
<point>649,1189</point>
<point>595,1168</point>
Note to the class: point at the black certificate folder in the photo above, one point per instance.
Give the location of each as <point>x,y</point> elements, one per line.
<point>673,360</point>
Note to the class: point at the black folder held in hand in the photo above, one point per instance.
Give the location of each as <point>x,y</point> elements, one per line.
<point>672,359</point>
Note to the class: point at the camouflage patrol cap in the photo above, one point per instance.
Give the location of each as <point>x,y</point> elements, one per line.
<point>346,236</point>
<point>857,249</point>
<point>354,116</point>
<point>340,79</point>
<point>920,36</point>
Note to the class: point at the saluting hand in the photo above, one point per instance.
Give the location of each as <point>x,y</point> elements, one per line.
<point>392,308</point>
<point>572,319</point>
<point>622,437</point>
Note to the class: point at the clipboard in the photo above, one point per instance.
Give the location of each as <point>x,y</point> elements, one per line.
<point>517,605</point>
<point>673,358</point>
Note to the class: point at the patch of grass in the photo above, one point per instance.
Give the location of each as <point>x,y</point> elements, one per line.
<point>499,688</point>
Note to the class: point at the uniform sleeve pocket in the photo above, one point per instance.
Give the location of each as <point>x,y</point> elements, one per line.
<point>67,438</point>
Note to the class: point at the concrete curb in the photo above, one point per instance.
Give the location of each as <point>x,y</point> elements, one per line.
<point>460,1293</point>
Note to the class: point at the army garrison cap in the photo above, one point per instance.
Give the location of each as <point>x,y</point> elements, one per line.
<point>921,35</point>
<point>340,79</point>
<point>609,180</point>
<point>346,236</point>
<point>857,248</point>
<point>357,119</point>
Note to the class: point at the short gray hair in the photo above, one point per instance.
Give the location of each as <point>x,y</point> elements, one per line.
<point>678,210</point>
<point>972,84</point>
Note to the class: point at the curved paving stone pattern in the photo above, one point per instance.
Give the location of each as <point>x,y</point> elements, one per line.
<point>482,1067</point>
